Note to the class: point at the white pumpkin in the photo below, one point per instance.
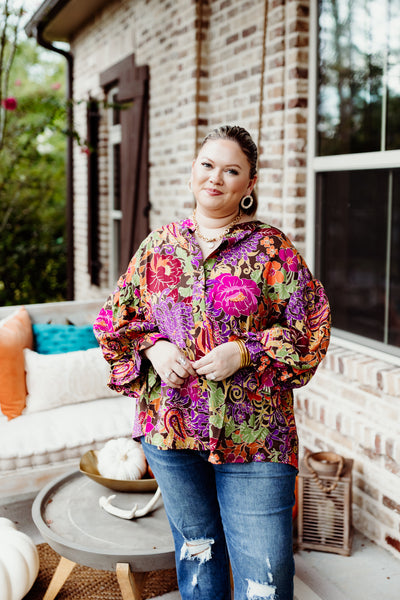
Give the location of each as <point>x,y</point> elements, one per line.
<point>19,561</point>
<point>122,458</point>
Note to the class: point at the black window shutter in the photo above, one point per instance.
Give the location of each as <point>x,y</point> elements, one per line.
<point>132,83</point>
<point>93,118</point>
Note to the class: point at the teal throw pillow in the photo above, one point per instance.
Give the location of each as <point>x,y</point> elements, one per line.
<point>55,339</point>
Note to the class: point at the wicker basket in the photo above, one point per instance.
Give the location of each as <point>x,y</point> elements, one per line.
<point>324,503</point>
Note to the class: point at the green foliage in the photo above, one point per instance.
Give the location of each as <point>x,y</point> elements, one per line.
<point>32,178</point>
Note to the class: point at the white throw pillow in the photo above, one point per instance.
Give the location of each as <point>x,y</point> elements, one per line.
<point>57,379</point>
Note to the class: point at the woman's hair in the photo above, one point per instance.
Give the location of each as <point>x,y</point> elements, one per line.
<point>243,138</point>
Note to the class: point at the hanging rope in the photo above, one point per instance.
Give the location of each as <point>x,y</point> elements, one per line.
<point>199,34</point>
<point>263,57</point>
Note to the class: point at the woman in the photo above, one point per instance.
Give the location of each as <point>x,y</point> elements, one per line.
<point>215,322</point>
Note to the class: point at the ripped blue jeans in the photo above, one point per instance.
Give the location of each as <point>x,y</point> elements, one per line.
<point>239,513</point>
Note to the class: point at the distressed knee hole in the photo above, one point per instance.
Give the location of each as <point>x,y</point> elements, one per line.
<point>197,549</point>
<point>260,591</point>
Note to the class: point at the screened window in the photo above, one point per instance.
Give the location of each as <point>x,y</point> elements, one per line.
<point>359,233</point>
<point>357,167</point>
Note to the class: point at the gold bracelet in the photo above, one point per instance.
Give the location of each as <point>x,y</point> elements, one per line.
<point>245,359</point>
<point>246,355</point>
<point>242,357</point>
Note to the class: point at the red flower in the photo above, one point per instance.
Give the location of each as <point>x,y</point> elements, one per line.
<point>9,103</point>
<point>163,272</point>
<point>56,86</point>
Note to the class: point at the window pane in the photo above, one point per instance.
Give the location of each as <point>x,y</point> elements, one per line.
<point>353,234</point>
<point>116,177</point>
<point>116,239</point>
<point>393,68</point>
<point>116,111</point>
<point>352,58</point>
<point>394,298</point>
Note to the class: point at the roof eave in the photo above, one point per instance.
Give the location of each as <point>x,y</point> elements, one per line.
<point>59,20</point>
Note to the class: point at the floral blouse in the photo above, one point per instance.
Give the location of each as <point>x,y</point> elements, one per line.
<point>256,287</point>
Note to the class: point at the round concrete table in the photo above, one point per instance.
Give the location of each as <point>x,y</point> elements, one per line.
<point>68,515</point>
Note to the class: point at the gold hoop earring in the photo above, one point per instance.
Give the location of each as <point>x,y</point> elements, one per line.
<point>190,185</point>
<point>246,202</point>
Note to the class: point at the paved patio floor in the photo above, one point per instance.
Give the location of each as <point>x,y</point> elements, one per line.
<point>370,573</point>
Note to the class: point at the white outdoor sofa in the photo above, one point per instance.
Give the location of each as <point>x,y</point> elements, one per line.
<point>37,446</point>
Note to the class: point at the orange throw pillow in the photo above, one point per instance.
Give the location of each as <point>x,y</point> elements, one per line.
<point>15,335</point>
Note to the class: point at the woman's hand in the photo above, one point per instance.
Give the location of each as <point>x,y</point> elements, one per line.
<point>172,366</point>
<point>220,363</point>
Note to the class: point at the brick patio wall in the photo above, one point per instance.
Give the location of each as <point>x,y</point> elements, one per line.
<point>352,405</point>
<point>164,36</point>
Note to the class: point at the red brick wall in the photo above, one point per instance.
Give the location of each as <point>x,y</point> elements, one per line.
<point>352,406</point>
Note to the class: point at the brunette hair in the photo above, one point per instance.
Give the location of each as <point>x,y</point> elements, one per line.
<point>243,138</point>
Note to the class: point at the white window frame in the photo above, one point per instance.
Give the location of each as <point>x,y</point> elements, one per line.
<point>115,216</point>
<point>343,162</point>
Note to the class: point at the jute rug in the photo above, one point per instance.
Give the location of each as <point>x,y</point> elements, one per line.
<point>90,584</point>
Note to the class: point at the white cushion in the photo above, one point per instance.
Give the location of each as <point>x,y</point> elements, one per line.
<point>63,433</point>
<point>59,379</point>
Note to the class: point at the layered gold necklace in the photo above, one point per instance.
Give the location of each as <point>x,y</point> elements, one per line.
<point>212,242</point>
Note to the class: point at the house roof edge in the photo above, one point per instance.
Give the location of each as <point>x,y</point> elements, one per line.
<point>44,15</point>
<point>60,20</point>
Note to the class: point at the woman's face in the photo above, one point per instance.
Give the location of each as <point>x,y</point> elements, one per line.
<point>220,178</point>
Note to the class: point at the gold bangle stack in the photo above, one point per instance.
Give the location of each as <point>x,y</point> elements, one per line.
<point>245,359</point>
